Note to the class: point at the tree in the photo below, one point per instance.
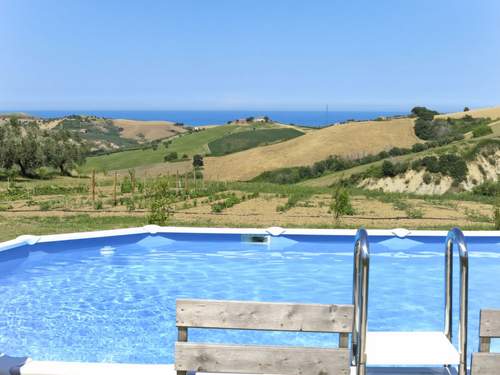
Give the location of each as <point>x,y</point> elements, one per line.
<point>198,161</point>
<point>341,204</point>
<point>30,148</point>
<point>63,152</point>
<point>29,153</point>
<point>424,113</point>
<point>466,109</point>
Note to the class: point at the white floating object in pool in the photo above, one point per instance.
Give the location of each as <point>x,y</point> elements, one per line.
<point>107,250</point>
<point>275,231</point>
<point>401,232</point>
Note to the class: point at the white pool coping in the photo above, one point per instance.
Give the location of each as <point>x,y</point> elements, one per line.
<point>80,368</point>
<point>272,231</point>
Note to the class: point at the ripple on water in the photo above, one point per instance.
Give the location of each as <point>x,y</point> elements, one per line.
<point>119,306</point>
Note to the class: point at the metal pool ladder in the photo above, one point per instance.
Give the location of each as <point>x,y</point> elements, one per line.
<point>410,348</point>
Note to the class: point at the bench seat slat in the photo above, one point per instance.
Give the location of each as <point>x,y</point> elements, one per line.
<point>485,363</point>
<point>489,323</point>
<point>264,316</point>
<point>261,359</point>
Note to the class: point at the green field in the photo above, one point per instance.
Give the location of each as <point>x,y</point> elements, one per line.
<point>188,144</point>
<point>248,139</point>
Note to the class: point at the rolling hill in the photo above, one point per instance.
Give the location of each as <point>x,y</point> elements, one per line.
<point>353,140</point>
<point>493,113</point>
<point>147,130</point>
<point>190,144</point>
<point>482,166</point>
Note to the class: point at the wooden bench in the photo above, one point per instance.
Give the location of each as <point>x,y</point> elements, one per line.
<point>218,358</point>
<point>484,362</point>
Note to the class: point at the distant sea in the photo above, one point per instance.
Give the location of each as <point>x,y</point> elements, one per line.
<point>197,118</point>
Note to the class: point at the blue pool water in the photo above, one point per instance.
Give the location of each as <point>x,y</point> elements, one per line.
<point>113,299</point>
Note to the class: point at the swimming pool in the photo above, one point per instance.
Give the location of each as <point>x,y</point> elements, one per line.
<point>110,297</point>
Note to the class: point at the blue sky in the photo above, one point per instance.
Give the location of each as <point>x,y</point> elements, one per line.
<point>249,54</point>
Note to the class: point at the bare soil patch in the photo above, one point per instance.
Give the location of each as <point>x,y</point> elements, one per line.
<point>150,130</point>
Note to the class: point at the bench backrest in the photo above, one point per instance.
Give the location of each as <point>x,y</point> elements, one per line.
<point>486,363</point>
<point>264,317</point>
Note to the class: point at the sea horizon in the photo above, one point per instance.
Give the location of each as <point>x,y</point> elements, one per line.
<point>309,118</point>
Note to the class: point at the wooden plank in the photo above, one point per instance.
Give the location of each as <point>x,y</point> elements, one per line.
<point>485,364</point>
<point>484,344</point>
<point>182,335</point>
<point>261,359</point>
<point>265,316</point>
<point>489,323</point>
<point>343,340</point>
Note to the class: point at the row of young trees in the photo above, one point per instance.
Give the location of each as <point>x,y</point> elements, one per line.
<point>25,148</point>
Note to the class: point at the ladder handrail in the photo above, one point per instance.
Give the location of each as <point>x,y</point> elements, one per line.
<point>456,237</point>
<point>360,300</point>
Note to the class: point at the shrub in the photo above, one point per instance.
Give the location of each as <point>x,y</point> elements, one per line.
<point>126,185</point>
<point>431,163</point>
<point>388,169</point>
<point>160,202</point>
<point>342,204</point>
<point>454,166</point>
<point>414,213</point>
<point>4,207</point>
<point>160,210</point>
<point>427,178</point>
<point>488,189</point>
<point>45,205</point>
<point>98,205</point>
<point>417,147</point>
<point>481,130</point>
<point>171,156</point>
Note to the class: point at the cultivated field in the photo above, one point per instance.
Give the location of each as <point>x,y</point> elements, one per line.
<point>185,144</point>
<point>351,140</point>
<point>148,130</point>
<point>68,205</point>
<point>492,112</point>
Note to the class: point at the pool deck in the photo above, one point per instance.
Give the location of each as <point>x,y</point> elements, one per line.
<point>77,368</point>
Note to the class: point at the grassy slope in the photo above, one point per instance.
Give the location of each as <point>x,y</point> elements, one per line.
<point>245,140</point>
<point>349,140</point>
<point>190,144</point>
<point>331,178</point>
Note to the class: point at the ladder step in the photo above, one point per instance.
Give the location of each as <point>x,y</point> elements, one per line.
<point>410,349</point>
